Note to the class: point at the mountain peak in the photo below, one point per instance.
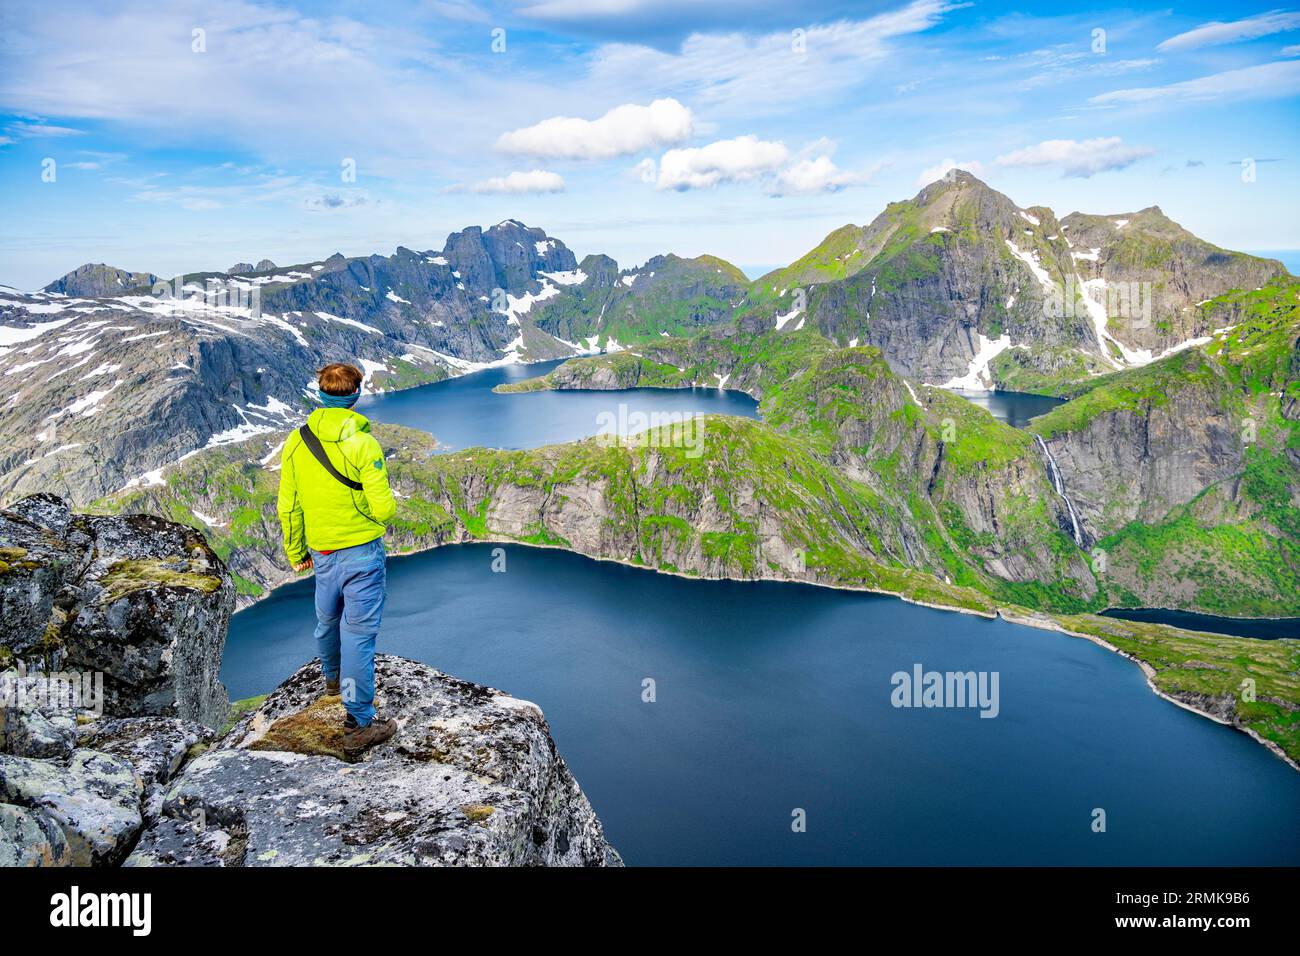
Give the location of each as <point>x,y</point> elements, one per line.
<point>953,180</point>
<point>97,279</point>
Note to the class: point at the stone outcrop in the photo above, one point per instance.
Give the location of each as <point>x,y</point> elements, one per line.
<point>92,799</point>
<point>471,778</point>
<point>141,601</point>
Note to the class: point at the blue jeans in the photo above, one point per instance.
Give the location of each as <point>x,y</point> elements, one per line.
<point>350,594</point>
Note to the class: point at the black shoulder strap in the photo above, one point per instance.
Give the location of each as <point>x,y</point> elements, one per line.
<point>314,446</point>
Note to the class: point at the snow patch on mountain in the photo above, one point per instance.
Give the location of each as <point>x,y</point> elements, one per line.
<point>1030,258</point>
<point>783,320</point>
<point>352,322</point>
<point>977,377</point>
<point>572,277</point>
<point>519,306</point>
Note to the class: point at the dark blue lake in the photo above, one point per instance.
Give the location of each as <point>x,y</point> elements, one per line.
<point>1014,408</point>
<point>772,697</point>
<point>776,697</point>
<point>1261,628</point>
<point>462,412</point>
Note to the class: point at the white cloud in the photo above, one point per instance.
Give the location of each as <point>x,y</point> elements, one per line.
<point>934,173</point>
<point>767,72</point>
<point>381,80</point>
<point>1281,78</point>
<point>1074,157</point>
<point>820,174</point>
<point>534,181</point>
<point>23,129</point>
<point>575,9</point>
<point>727,160</point>
<point>1216,33</point>
<point>622,131</point>
<point>647,170</point>
<point>1293,50</point>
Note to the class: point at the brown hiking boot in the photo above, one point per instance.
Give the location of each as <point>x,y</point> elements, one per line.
<point>358,739</point>
<point>332,687</point>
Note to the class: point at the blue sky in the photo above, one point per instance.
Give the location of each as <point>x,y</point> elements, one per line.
<point>744,129</point>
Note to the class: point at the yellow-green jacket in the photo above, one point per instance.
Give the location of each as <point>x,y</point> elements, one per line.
<point>316,509</point>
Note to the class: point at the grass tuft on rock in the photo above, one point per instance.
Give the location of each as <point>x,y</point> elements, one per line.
<point>134,574</point>
<point>316,731</point>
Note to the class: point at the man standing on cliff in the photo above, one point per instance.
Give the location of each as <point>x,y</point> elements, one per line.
<point>334,504</point>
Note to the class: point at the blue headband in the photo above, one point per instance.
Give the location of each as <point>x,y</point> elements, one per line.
<point>339,401</point>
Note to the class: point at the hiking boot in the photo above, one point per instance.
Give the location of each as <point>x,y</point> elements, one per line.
<point>358,739</point>
<point>331,687</point>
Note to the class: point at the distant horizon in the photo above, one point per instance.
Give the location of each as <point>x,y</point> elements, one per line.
<point>1290,258</point>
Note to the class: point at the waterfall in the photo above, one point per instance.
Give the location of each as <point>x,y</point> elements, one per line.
<point>1058,483</point>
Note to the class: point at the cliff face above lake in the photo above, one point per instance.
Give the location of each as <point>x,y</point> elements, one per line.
<point>472,778</point>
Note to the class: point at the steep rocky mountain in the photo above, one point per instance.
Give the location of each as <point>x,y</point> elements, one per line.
<point>958,286</point>
<point>98,392</point>
<point>1187,470</point>
<point>1154,275</point>
<point>101,390</point>
<point>93,280</point>
<point>161,771</point>
<point>961,286</point>
<point>1179,479</point>
<point>668,295</point>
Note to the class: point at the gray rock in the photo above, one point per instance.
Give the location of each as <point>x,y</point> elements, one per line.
<point>472,778</point>
<point>31,838</point>
<point>141,601</point>
<point>26,732</point>
<point>179,841</point>
<point>155,747</point>
<point>94,798</point>
<point>98,279</point>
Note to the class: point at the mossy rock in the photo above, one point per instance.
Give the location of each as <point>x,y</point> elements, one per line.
<point>12,559</point>
<point>127,576</point>
<point>315,731</point>
<point>477,812</point>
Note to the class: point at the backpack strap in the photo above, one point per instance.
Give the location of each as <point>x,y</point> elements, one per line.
<point>314,446</point>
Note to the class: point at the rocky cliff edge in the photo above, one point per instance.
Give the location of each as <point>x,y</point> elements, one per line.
<point>111,636</point>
